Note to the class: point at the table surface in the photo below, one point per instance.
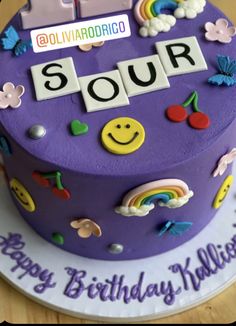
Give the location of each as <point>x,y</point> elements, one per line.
<point>16,308</point>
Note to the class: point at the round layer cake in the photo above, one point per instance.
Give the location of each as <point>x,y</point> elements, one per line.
<point>79,194</point>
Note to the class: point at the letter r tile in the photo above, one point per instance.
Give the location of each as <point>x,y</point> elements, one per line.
<point>103,91</point>
<point>54,79</point>
<point>143,75</point>
<point>181,56</point>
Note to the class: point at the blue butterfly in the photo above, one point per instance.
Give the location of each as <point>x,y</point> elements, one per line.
<point>14,43</point>
<point>227,69</point>
<point>175,228</point>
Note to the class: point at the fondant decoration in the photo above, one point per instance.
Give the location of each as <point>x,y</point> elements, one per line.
<point>103,91</point>
<point>78,128</point>
<point>143,75</point>
<point>220,31</point>
<point>181,56</point>
<point>189,8</point>
<point>37,132</point>
<point>224,162</point>
<point>5,146</point>
<point>86,228</point>
<point>88,47</point>
<point>197,120</point>
<point>175,228</point>
<point>156,25</point>
<point>43,179</point>
<point>44,13</point>
<point>58,238</point>
<point>149,14</point>
<point>13,42</point>
<point>22,195</point>
<point>123,136</point>
<point>171,193</point>
<point>89,8</point>
<point>11,96</point>
<point>223,192</point>
<point>55,79</point>
<point>227,70</point>
<point>8,9</point>
<point>116,249</point>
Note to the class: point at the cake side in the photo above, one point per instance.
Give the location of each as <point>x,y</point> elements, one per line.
<point>77,193</point>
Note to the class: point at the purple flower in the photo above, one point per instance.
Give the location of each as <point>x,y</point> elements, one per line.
<point>220,31</point>
<point>11,96</point>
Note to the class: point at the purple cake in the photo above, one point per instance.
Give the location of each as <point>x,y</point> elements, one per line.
<point>89,198</point>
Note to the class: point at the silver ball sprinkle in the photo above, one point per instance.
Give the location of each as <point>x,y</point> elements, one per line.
<point>116,248</point>
<point>37,132</point>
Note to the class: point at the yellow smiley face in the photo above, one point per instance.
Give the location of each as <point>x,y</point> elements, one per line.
<point>22,195</point>
<point>123,136</point>
<point>223,192</point>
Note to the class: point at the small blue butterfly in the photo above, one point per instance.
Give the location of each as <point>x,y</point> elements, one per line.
<point>14,43</point>
<point>227,69</point>
<point>175,228</point>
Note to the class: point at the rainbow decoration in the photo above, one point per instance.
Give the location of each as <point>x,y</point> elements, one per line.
<point>148,9</point>
<point>171,193</point>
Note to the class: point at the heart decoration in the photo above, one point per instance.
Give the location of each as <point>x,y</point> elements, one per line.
<point>5,146</point>
<point>77,128</point>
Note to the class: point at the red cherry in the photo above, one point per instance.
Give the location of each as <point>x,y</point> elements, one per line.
<point>37,177</point>
<point>199,120</point>
<point>176,113</point>
<point>61,193</point>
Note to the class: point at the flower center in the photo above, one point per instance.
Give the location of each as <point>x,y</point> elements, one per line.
<point>9,95</point>
<point>220,32</point>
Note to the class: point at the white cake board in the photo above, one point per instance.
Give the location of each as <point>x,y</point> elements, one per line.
<point>219,232</point>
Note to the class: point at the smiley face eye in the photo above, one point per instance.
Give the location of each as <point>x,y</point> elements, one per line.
<point>118,126</point>
<point>128,126</point>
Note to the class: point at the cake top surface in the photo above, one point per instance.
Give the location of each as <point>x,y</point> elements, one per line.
<point>166,144</point>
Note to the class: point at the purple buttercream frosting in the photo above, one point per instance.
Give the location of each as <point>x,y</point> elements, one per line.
<point>97,179</point>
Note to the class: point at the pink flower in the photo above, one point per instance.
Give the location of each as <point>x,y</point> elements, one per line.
<point>88,47</point>
<point>220,31</point>
<point>11,96</point>
<point>86,228</point>
<point>224,162</point>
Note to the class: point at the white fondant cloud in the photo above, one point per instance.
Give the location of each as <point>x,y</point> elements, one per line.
<point>154,26</point>
<point>134,211</point>
<point>176,203</point>
<point>190,9</point>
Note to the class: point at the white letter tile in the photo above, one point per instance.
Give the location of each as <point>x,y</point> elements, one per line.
<point>103,91</point>
<point>181,56</point>
<point>55,79</point>
<point>143,75</point>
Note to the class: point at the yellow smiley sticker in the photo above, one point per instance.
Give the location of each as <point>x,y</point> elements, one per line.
<point>123,136</point>
<point>22,195</point>
<point>223,192</point>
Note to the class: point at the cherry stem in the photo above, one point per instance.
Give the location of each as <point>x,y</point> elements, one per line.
<point>192,99</point>
<point>54,175</point>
